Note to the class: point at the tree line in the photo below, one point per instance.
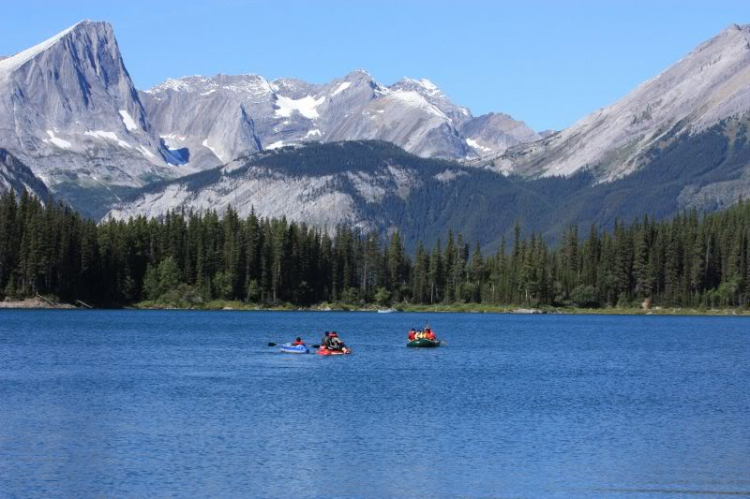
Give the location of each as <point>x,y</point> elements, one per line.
<point>191,258</point>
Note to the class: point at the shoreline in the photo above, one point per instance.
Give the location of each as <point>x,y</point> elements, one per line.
<point>477,308</point>
<point>473,308</point>
<point>35,304</point>
<point>40,303</point>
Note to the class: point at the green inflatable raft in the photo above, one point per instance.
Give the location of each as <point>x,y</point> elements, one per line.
<point>423,343</point>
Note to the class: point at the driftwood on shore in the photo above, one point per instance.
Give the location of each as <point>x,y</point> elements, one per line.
<point>526,311</point>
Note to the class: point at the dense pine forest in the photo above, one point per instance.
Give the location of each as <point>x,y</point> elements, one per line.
<point>189,259</point>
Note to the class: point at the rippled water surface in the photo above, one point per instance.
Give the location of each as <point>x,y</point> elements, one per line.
<point>195,404</point>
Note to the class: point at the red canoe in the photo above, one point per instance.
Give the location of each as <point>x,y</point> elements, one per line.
<point>325,351</point>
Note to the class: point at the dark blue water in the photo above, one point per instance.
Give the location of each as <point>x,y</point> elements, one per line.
<point>194,404</point>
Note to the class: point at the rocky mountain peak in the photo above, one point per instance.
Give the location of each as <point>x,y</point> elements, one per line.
<point>69,110</point>
<point>206,85</point>
<point>10,64</point>
<point>739,27</point>
<point>423,86</point>
<point>357,78</point>
<point>358,75</point>
<point>430,92</point>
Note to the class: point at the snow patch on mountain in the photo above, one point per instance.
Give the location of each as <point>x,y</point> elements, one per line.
<point>108,136</point>
<point>61,143</point>
<point>343,86</point>
<point>128,120</point>
<point>214,151</point>
<point>145,152</point>
<point>173,140</point>
<point>305,106</point>
<point>477,145</point>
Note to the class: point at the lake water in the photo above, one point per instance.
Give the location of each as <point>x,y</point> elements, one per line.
<point>195,404</point>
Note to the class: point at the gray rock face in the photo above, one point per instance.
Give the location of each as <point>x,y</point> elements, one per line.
<point>366,184</point>
<point>69,110</point>
<point>495,132</point>
<point>212,120</point>
<point>17,177</point>
<point>707,86</point>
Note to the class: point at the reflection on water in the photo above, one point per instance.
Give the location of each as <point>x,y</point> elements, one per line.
<point>145,404</point>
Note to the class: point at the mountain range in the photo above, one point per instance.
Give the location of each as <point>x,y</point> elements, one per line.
<point>358,152</point>
<point>70,111</point>
<point>223,117</point>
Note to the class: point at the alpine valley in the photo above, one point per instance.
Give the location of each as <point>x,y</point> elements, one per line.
<point>357,152</point>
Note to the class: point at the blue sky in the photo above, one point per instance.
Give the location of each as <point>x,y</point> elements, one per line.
<point>546,62</point>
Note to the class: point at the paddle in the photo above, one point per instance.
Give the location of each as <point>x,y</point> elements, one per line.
<point>272,344</point>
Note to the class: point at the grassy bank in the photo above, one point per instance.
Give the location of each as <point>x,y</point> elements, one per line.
<point>479,308</point>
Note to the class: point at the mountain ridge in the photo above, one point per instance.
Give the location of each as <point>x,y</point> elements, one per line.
<point>413,114</point>
<point>710,83</point>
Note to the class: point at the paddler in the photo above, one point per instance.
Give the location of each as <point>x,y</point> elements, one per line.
<point>412,334</point>
<point>326,341</point>
<point>298,342</point>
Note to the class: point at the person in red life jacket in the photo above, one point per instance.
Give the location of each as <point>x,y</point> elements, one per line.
<point>412,334</point>
<point>298,342</point>
<point>429,334</point>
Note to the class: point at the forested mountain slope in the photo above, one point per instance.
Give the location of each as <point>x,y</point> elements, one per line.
<point>377,186</point>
